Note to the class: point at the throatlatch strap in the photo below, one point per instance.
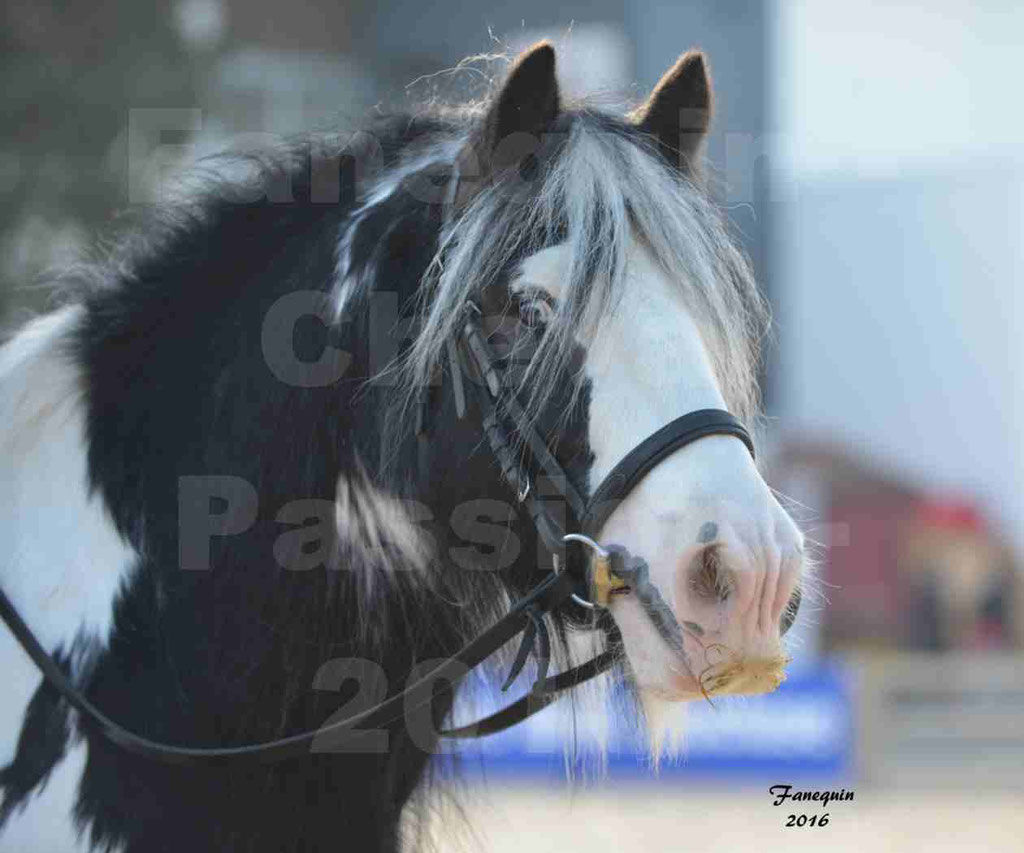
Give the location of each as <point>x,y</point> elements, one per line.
<point>642,458</point>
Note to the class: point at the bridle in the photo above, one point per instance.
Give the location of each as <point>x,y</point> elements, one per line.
<point>585,573</point>
<point>472,363</point>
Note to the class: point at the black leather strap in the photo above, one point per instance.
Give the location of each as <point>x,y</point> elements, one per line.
<point>550,690</point>
<point>544,597</point>
<point>533,702</point>
<point>547,595</point>
<point>641,459</point>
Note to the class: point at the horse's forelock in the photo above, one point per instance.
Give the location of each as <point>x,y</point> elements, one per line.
<point>603,187</point>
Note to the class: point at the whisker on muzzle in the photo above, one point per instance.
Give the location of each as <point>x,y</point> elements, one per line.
<point>743,676</point>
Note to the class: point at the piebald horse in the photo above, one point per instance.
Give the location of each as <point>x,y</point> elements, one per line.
<point>304,433</point>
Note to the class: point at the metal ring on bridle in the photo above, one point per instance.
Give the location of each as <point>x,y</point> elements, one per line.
<point>602,553</point>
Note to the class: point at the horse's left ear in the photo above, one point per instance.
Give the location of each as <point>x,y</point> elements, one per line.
<point>526,105</point>
<point>528,101</point>
<point>678,111</point>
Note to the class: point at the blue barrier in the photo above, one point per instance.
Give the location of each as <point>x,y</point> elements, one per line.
<point>803,730</point>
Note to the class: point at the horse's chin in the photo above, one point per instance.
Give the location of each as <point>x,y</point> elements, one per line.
<point>746,676</point>
<point>739,676</point>
<point>661,697</point>
<point>673,692</point>
<point>669,686</point>
<point>706,667</point>
<point>664,694</point>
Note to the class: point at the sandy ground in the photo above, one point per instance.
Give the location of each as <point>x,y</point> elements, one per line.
<point>653,820</point>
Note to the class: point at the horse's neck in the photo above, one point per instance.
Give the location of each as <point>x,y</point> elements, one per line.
<point>229,652</point>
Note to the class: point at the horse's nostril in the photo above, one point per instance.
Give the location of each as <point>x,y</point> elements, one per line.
<point>789,614</point>
<point>709,579</point>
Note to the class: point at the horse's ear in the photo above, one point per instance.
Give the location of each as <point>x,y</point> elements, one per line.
<point>526,105</point>
<point>678,111</point>
<point>528,101</point>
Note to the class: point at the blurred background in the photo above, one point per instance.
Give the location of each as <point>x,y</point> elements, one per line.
<point>871,155</point>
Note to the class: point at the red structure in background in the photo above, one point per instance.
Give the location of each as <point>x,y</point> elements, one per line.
<point>902,569</point>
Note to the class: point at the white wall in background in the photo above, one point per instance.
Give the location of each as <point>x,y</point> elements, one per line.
<point>881,85</point>
<point>594,59</point>
<point>899,171</point>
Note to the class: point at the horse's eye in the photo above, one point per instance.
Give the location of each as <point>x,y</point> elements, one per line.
<point>535,311</point>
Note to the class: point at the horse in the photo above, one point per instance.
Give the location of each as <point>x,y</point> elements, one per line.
<point>307,433</point>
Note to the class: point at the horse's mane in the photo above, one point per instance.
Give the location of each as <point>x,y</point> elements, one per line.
<point>606,187</point>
